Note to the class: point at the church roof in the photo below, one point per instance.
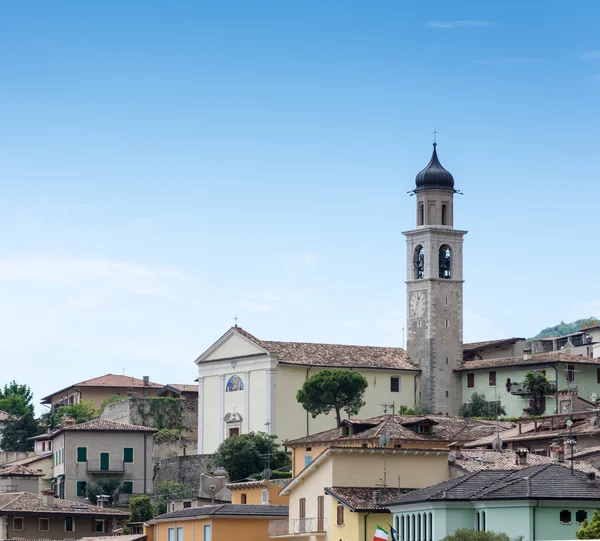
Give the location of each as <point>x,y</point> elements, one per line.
<point>434,176</point>
<point>334,355</point>
<point>539,358</point>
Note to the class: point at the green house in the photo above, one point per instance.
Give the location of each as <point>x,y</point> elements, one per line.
<point>547,502</point>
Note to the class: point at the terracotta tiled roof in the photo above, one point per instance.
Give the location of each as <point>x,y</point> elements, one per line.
<point>549,481</point>
<point>108,380</point>
<point>18,470</point>
<point>133,537</point>
<point>184,387</point>
<point>97,425</point>
<point>588,451</point>
<point>333,355</point>
<point>26,502</point>
<point>28,460</point>
<point>540,358</point>
<point>479,460</point>
<point>363,498</point>
<point>398,428</point>
<point>475,346</point>
<point>4,416</point>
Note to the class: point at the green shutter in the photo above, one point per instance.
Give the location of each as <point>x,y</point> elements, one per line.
<point>81,486</point>
<point>81,454</point>
<point>128,487</point>
<point>128,454</point>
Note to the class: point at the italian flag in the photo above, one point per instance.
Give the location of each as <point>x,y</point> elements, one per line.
<point>380,534</point>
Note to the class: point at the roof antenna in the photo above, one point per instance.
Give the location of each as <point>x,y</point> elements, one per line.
<point>235,319</point>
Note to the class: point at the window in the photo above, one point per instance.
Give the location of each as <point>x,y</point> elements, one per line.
<point>340,515</point>
<point>492,378</point>
<point>187,505</point>
<point>321,513</point>
<point>69,525</point>
<point>81,454</point>
<point>81,488</point>
<point>99,526</point>
<point>419,262</point>
<point>444,214</point>
<point>421,217</point>
<point>446,360</point>
<point>483,528</point>
<point>471,381</point>
<point>580,516</point>
<point>44,525</point>
<point>446,394</point>
<point>264,497</point>
<point>447,323</point>
<point>243,498</point>
<point>430,526</point>
<point>597,375</point>
<point>307,460</point>
<point>302,508</point>
<point>49,446</point>
<point>308,448</point>
<point>565,516</point>
<point>570,374</point>
<point>445,262</point>
<point>234,431</point>
<point>171,534</point>
<point>128,487</point>
<point>395,384</point>
<point>128,454</point>
<point>180,533</point>
<point>18,524</point>
<point>207,533</point>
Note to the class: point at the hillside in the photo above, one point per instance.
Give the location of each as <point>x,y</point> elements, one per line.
<point>567,328</point>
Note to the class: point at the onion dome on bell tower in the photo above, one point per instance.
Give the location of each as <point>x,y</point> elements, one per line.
<point>434,176</point>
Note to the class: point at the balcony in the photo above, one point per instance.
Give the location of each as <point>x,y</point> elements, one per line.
<point>105,466</point>
<point>297,527</point>
<point>520,388</point>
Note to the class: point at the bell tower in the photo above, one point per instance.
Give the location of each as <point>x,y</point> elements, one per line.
<point>434,291</point>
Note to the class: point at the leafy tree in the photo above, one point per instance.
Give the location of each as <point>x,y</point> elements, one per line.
<point>17,431</point>
<point>82,412</point>
<point>333,390</point>
<point>538,386</point>
<point>16,399</point>
<point>247,454</point>
<point>566,328</point>
<point>105,486</point>
<point>591,529</point>
<point>141,508</point>
<point>167,490</point>
<point>405,410</point>
<point>108,401</point>
<point>479,406</point>
<point>472,535</point>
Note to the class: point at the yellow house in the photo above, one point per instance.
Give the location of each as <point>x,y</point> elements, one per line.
<point>225,522</point>
<point>402,432</point>
<point>263,492</point>
<point>335,496</point>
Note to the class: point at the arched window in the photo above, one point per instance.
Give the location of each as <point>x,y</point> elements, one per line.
<point>445,261</point>
<point>421,216</point>
<point>431,214</point>
<point>444,214</point>
<point>419,262</point>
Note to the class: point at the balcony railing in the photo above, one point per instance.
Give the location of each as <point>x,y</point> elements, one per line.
<point>520,388</point>
<point>297,527</point>
<point>102,466</point>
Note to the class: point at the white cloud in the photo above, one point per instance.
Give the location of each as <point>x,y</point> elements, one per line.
<point>457,24</point>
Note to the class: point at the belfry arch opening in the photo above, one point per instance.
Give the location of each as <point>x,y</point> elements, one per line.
<point>421,214</point>
<point>445,262</point>
<point>444,214</point>
<point>419,262</point>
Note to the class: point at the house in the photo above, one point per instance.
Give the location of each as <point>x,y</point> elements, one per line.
<point>178,390</point>
<point>130,537</point>
<point>247,384</point>
<point>401,431</point>
<point>19,478</point>
<point>100,388</point>
<point>546,502</point>
<point>88,451</point>
<point>320,500</point>
<point>33,516</point>
<point>263,491</point>
<point>223,522</point>
<point>584,342</point>
<point>493,349</point>
<point>177,504</point>
<point>4,418</point>
<point>41,463</point>
<point>502,379</point>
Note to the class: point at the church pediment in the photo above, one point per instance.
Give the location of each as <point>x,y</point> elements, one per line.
<point>232,345</point>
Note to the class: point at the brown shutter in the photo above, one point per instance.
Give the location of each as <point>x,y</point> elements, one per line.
<point>302,508</point>
<point>470,380</point>
<point>320,513</point>
<point>493,378</point>
<point>340,515</point>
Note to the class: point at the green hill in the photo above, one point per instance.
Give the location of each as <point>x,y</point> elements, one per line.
<point>567,328</point>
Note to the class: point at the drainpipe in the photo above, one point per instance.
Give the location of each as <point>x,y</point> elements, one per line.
<point>365,532</point>
<point>307,418</point>
<point>556,390</point>
<point>537,502</point>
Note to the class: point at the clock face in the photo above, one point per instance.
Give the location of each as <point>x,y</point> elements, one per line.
<point>417,304</point>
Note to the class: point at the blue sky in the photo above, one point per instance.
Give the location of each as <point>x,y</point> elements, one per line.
<point>166,165</point>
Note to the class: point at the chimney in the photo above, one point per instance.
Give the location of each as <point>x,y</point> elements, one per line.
<point>376,497</point>
<point>48,497</point>
<point>557,452</point>
<point>591,479</point>
<point>146,381</point>
<point>521,457</point>
<point>456,450</point>
<point>68,421</point>
<point>527,354</point>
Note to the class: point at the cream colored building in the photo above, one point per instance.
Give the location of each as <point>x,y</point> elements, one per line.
<point>246,384</point>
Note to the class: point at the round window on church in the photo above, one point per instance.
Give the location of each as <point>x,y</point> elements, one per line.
<point>235,383</point>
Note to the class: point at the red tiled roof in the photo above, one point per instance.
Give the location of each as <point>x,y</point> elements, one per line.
<point>108,380</point>
<point>28,460</point>
<point>26,502</point>
<point>19,470</point>
<point>184,387</point>
<point>97,425</point>
<point>363,498</point>
<point>474,346</point>
<point>539,358</point>
<point>333,355</point>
